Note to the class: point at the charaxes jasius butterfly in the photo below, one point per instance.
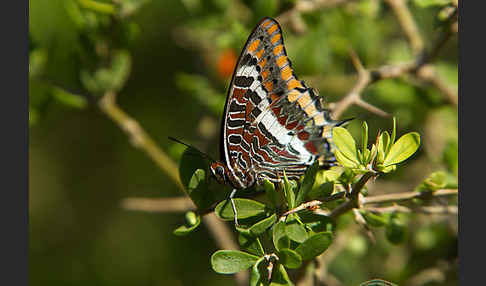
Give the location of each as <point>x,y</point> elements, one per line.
<point>272,121</point>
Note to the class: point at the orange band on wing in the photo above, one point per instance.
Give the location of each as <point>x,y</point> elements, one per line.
<point>278,49</point>
<point>276,38</point>
<point>272,29</point>
<point>286,73</point>
<point>253,46</point>
<point>281,61</point>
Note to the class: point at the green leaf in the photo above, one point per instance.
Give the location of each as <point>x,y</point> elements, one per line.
<point>377,282</point>
<point>314,245</point>
<point>256,277</point>
<point>261,226</point>
<point>345,144</point>
<point>394,132</point>
<point>37,62</point>
<point>321,191</point>
<point>198,189</point>
<point>289,192</point>
<point>232,261</point>
<point>246,208</point>
<point>385,142</point>
<point>374,219</point>
<point>191,160</point>
<point>308,183</point>
<point>120,69</point>
<point>250,243</point>
<point>193,221</point>
<point>431,3</point>
<point>296,231</point>
<point>279,236</point>
<point>344,160</point>
<point>364,140</point>
<point>436,180</point>
<point>402,149</point>
<point>280,277</point>
<point>290,258</point>
<point>395,230</point>
<point>271,193</point>
<point>67,98</point>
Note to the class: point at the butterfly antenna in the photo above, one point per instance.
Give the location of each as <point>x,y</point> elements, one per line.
<point>192,148</point>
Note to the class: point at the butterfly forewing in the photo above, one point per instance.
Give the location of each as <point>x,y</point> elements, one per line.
<point>272,121</point>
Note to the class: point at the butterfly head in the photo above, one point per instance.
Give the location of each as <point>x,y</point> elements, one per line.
<point>219,171</point>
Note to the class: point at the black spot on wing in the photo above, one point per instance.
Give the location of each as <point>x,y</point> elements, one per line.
<point>243,81</point>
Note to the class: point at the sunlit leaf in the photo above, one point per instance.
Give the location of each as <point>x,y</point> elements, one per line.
<point>403,148</point>
<point>345,144</point>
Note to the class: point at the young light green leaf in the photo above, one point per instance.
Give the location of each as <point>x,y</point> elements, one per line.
<point>402,149</point>
<point>314,245</point>
<point>246,208</point>
<point>364,139</point>
<point>344,160</point>
<point>345,144</point>
<point>261,226</point>
<point>394,132</point>
<point>290,258</point>
<point>232,261</point>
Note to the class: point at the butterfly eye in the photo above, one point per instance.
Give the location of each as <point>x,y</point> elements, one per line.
<point>219,171</point>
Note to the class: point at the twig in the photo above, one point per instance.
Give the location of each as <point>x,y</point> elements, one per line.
<point>407,23</point>
<point>398,197</point>
<point>138,137</point>
<point>309,6</point>
<point>423,209</point>
<point>180,204</point>
<point>311,205</point>
<point>353,197</point>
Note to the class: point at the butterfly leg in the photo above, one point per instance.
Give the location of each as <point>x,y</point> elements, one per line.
<point>232,195</point>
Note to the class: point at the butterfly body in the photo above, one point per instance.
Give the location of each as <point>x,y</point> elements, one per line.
<point>272,121</point>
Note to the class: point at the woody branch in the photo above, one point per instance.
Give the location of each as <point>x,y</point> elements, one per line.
<point>420,68</point>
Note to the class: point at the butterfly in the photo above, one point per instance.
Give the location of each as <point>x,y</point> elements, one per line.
<point>272,121</point>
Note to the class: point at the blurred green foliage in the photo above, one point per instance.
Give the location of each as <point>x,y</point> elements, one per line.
<point>162,57</point>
